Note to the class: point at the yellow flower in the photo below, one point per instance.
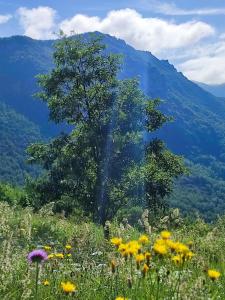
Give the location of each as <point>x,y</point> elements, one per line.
<point>116,241</point>
<point>68,287</point>
<point>160,249</point>
<point>161,242</point>
<point>172,245</point>
<point>50,256</point>
<point>122,247</point>
<point>165,235</point>
<point>46,283</point>
<point>148,256</point>
<point>139,258</point>
<point>68,247</point>
<point>47,248</point>
<point>69,255</point>
<point>113,266</point>
<point>145,270</point>
<point>143,239</point>
<point>181,248</point>
<point>177,259</point>
<point>213,274</point>
<point>189,255</point>
<point>133,247</point>
<point>121,298</point>
<point>59,255</point>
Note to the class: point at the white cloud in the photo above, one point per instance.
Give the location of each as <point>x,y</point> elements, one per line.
<point>38,23</point>
<point>182,43</point>
<point>151,34</point>
<point>208,65</point>
<point>5,18</point>
<point>172,10</point>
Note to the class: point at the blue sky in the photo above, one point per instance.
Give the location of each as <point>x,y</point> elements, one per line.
<point>191,34</point>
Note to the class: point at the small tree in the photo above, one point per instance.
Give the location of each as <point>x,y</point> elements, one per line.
<point>100,166</point>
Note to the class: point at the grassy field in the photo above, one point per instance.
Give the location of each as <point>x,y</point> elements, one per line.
<point>82,264</point>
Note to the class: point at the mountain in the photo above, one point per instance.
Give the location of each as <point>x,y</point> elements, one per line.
<point>197,132</point>
<point>16,133</point>
<point>217,90</point>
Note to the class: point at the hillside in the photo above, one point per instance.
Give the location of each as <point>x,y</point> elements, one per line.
<point>77,252</point>
<point>197,131</point>
<point>199,116</point>
<point>16,133</point>
<point>217,90</point>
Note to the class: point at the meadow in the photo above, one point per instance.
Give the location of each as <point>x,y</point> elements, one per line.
<point>81,260</point>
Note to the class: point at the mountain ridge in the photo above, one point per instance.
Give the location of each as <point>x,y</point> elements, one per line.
<point>198,128</point>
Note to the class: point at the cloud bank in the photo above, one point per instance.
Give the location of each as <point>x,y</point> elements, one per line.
<point>151,34</point>
<point>183,43</point>
<point>38,23</point>
<point>207,65</point>
<point>172,10</point>
<point>5,18</point>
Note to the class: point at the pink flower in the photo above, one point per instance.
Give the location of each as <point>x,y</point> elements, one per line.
<point>38,256</point>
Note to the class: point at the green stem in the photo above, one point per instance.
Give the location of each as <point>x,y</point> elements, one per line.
<point>36,281</point>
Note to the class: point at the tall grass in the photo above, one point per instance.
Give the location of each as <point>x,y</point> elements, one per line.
<point>100,270</point>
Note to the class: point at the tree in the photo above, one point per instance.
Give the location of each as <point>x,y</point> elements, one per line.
<point>100,166</point>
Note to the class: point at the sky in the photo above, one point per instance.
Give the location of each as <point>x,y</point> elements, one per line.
<point>189,33</point>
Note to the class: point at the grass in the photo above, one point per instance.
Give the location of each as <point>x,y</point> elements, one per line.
<point>97,268</point>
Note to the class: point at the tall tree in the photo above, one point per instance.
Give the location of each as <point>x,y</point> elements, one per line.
<point>101,165</point>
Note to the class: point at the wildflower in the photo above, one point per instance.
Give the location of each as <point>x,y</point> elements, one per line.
<point>122,247</point>
<point>113,266</point>
<point>47,248</point>
<point>59,255</point>
<point>133,247</point>
<point>213,274</point>
<point>68,287</point>
<point>145,270</point>
<point>121,298</point>
<point>177,259</point>
<point>161,242</point>
<point>172,245</point>
<point>181,248</point>
<point>165,235</point>
<point>160,249</point>
<point>116,241</point>
<point>68,247</point>
<point>139,258</point>
<point>189,255</point>
<point>148,257</point>
<point>37,256</point>
<point>143,239</point>
<point>69,255</point>
<point>46,283</point>
<point>50,256</point>
<point>123,250</point>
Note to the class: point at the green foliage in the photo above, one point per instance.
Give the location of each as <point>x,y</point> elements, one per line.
<point>192,193</point>
<point>12,195</point>
<point>197,131</point>
<point>162,167</point>
<point>89,266</point>
<point>100,166</point>
<point>16,133</point>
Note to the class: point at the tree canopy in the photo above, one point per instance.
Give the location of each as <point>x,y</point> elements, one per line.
<point>105,162</point>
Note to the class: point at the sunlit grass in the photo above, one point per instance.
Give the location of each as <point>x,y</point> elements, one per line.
<point>176,263</point>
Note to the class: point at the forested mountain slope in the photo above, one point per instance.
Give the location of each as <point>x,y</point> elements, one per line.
<point>197,132</point>
<point>16,133</point>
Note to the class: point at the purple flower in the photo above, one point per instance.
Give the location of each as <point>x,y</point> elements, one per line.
<point>37,256</point>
